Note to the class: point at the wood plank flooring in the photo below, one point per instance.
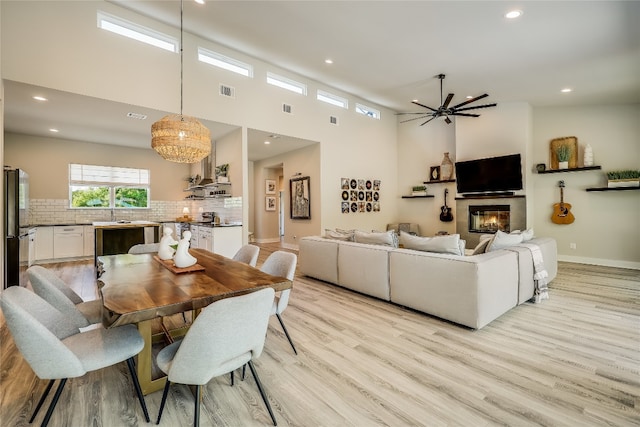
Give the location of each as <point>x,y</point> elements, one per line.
<point>573,360</point>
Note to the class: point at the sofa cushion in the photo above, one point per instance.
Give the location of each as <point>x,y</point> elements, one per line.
<point>318,257</point>
<point>482,246</point>
<point>345,236</point>
<point>448,244</point>
<point>385,238</point>
<point>526,234</point>
<point>502,240</point>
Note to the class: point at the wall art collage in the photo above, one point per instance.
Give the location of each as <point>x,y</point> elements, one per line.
<point>360,195</point>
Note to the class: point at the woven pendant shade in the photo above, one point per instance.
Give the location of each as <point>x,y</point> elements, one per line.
<point>180,139</point>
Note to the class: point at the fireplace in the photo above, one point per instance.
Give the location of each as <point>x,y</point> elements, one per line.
<point>489,218</point>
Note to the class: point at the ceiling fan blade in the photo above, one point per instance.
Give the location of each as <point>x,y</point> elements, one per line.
<point>473,108</point>
<point>424,106</point>
<point>415,118</point>
<point>422,124</point>
<point>421,112</point>
<point>447,101</point>
<point>469,101</point>
<point>465,114</point>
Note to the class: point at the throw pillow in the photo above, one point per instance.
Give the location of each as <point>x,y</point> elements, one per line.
<point>376,238</point>
<point>449,244</point>
<point>502,240</point>
<point>482,246</point>
<point>338,235</point>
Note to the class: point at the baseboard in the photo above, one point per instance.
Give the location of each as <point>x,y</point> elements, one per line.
<point>274,240</point>
<point>290,246</point>
<point>599,261</point>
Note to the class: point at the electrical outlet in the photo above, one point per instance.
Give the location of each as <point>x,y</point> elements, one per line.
<point>295,237</point>
<point>572,245</point>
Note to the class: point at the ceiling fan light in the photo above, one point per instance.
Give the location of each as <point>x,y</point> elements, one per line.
<point>180,139</point>
<point>513,14</point>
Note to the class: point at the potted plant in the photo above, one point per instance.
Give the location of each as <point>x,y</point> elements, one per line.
<point>563,153</point>
<point>419,190</point>
<point>623,178</point>
<point>221,173</point>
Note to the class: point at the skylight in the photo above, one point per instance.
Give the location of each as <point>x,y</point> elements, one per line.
<point>137,32</point>
<point>332,99</point>
<point>285,83</point>
<point>367,111</point>
<point>224,62</point>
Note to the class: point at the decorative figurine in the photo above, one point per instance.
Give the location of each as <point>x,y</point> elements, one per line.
<point>165,251</point>
<point>183,258</point>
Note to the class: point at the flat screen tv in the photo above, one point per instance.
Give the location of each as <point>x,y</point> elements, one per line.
<point>491,175</point>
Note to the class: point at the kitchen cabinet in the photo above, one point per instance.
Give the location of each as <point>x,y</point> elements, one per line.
<point>89,240</point>
<point>68,241</point>
<point>205,238</point>
<point>195,232</point>
<point>227,240</point>
<point>44,243</point>
<point>32,247</point>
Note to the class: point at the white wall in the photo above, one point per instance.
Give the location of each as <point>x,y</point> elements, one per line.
<point>607,226</point>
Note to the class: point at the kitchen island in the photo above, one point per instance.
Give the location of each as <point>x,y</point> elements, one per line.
<point>116,237</point>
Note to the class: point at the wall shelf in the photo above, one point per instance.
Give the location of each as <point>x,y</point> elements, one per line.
<point>585,168</point>
<point>428,196</point>
<point>613,189</point>
<point>439,182</point>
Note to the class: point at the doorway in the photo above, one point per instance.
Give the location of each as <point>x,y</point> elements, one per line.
<point>281,214</point>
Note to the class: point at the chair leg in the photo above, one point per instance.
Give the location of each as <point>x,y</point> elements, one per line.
<point>56,396</point>
<point>244,369</point>
<point>264,397</point>
<point>196,414</point>
<point>164,399</point>
<point>44,396</point>
<point>231,378</point>
<point>136,384</point>
<point>286,333</point>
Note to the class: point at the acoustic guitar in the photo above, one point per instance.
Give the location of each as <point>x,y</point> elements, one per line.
<point>561,211</point>
<point>445,211</point>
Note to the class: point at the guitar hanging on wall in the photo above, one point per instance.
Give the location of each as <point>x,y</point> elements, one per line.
<point>561,213</point>
<point>445,211</point>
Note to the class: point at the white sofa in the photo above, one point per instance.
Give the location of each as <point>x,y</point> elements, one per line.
<point>468,290</point>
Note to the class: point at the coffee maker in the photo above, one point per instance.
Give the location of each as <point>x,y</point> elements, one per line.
<point>210,217</point>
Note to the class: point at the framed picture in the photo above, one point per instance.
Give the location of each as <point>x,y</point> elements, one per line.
<point>270,203</point>
<point>270,186</point>
<point>434,174</point>
<point>300,200</point>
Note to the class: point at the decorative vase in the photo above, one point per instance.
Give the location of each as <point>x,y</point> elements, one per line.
<point>563,165</point>
<point>446,168</point>
<point>588,155</point>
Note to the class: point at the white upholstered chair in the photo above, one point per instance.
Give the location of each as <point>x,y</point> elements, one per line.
<point>225,336</point>
<point>248,254</point>
<point>144,248</point>
<point>283,264</point>
<point>53,346</point>
<point>55,291</point>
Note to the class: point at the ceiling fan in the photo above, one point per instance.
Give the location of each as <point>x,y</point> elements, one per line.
<point>444,110</point>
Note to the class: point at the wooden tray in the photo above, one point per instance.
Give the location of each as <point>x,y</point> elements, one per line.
<point>572,143</point>
<point>171,266</point>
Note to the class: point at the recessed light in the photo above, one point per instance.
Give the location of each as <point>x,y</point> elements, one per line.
<point>513,14</point>
<point>199,1</point>
<point>267,142</point>
<point>414,100</point>
<point>468,97</point>
<point>40,98</point>
<point>566,90</point>
<point>328,61</point>
<point>54,130</point>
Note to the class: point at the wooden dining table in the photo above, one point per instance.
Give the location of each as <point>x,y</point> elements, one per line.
<point>136,289</point>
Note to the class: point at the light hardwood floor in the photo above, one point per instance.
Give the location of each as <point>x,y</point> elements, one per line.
<point>573,360</point>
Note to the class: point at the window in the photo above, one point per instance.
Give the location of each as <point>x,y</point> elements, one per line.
<point>136,32</point>
<point>368,111</point>
<point>285,83</point>
<point>93,186</point>
<point>332,99</point>
<point>224,62</point>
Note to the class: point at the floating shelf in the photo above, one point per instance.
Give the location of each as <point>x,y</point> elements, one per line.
<point>428,196</point>
<point>613,189</point>
<point>585,168</point>
<point>439,182</point>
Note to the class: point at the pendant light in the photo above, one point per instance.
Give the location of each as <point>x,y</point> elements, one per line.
<point>179,138</point>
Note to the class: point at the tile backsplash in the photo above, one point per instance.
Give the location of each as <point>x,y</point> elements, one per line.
<point>57,211</point>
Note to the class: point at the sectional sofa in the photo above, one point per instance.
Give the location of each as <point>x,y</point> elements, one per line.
<point>468,290</point>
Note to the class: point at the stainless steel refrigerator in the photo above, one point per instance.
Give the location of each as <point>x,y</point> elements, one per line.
<point>16,226</point>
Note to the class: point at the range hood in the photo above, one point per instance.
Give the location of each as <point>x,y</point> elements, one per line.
<point>205,167</point>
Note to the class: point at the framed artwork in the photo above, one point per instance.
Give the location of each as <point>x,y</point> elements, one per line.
<point>300,200</point>
<point>434,174</point>
<point>270,203</point>
<point>358,195</point>
<point>270,186</point>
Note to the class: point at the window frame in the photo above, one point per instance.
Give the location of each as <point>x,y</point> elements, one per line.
<point>113,185</point>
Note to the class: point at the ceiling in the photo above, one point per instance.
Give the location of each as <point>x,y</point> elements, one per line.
<point>387,53</point>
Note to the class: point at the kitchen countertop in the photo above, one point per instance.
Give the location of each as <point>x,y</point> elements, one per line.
<point>124,224</point>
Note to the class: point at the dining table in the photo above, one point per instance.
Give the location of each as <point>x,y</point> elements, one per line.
<point>136,289</point>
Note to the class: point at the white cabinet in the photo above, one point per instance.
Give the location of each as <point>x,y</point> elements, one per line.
<point>227,240</point>
<point>44,243</point>
<point>89,240</point>
<point>68,242</point>
<point>205,238</point>
<point>195,233</point>
<point>32,247</point>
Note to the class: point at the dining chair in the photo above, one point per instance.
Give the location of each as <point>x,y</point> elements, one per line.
<point>281,263</point>
<point>55,348</point>
<point>225,336</point>
<point>144,248</point>
<point>56,292</point>
<point>248,254</point>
